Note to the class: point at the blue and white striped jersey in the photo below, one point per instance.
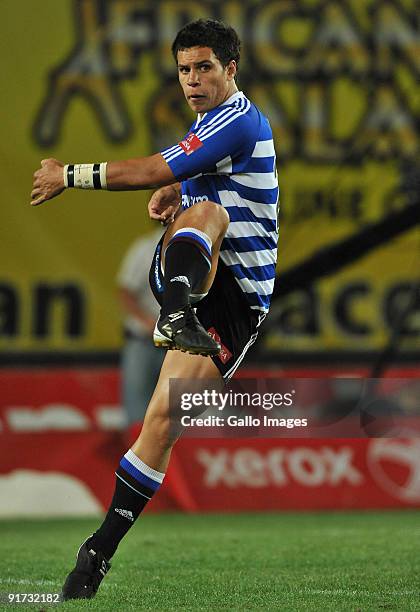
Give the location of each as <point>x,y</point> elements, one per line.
<point>228,157</point>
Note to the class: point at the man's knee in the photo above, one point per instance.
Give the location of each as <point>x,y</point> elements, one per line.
<point>162,431</point>
<point>208,216</point>
<point>217,211</point>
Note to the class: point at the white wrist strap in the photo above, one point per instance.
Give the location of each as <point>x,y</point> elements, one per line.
<point>85,176</point>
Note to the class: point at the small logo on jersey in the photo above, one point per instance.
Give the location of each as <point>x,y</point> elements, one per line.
<point>188,200</point>
<point>225,353</point>
<point>190,144</point>
<point>125,513</point>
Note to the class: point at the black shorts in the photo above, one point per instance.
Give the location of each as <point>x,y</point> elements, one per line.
<point>223,312</point>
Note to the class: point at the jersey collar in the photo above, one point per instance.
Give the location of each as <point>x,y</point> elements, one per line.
<point>236,96</point>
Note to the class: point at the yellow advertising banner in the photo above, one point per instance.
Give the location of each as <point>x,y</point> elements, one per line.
<point>94,80</point>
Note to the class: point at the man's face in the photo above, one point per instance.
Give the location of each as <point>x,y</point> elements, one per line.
<point>205,82</point>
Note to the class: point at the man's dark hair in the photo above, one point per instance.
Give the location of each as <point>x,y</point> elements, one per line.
<point>221,38</point>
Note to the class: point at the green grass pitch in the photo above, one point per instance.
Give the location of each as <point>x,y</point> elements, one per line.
<point>321,561</point>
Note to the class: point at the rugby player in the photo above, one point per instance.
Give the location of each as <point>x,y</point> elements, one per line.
<point>213,272</point>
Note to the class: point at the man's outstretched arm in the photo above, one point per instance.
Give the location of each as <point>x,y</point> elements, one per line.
<point>140,173</point>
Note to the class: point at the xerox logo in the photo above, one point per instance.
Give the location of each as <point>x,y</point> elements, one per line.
<point>306,466</point>
<point>395,465</point>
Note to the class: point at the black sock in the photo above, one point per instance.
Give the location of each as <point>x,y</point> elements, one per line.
<point>136,483</point>
<point>187,262</point>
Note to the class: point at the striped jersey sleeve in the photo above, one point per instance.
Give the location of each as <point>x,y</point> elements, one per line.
<point>226,134</point>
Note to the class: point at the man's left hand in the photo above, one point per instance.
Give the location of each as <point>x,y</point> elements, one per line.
<point>164,204</point>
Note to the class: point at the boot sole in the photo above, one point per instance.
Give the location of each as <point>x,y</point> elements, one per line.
<point>191,351</point>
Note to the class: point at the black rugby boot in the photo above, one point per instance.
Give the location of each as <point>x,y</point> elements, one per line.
<point>181,330</point>
<point>84,580</point>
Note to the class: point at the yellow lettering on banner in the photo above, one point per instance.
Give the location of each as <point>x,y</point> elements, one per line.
<point>340,315</point>
<point>388,129</point>
<point>275,51</point>
<point>234,12</point>
<point>127,38</point>
<point>395,37</point>
<point>171,16</point>
<point>56,310</point>
<point>337,46</point>
<point>316,118</point>
<point>86,73</point>
<point>277,102</point>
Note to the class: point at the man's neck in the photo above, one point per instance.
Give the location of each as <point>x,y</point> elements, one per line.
<point>232,93</point>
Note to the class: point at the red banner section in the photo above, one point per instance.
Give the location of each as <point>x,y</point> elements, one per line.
<point>298,475</point>
<point>60,442</point>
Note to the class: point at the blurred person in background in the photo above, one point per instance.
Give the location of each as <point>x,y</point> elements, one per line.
<point>140,359</point>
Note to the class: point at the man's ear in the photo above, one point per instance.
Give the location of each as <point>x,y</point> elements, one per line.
<point>231,69</point>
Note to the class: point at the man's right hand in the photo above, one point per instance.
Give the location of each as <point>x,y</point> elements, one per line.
<point>164,204</point>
